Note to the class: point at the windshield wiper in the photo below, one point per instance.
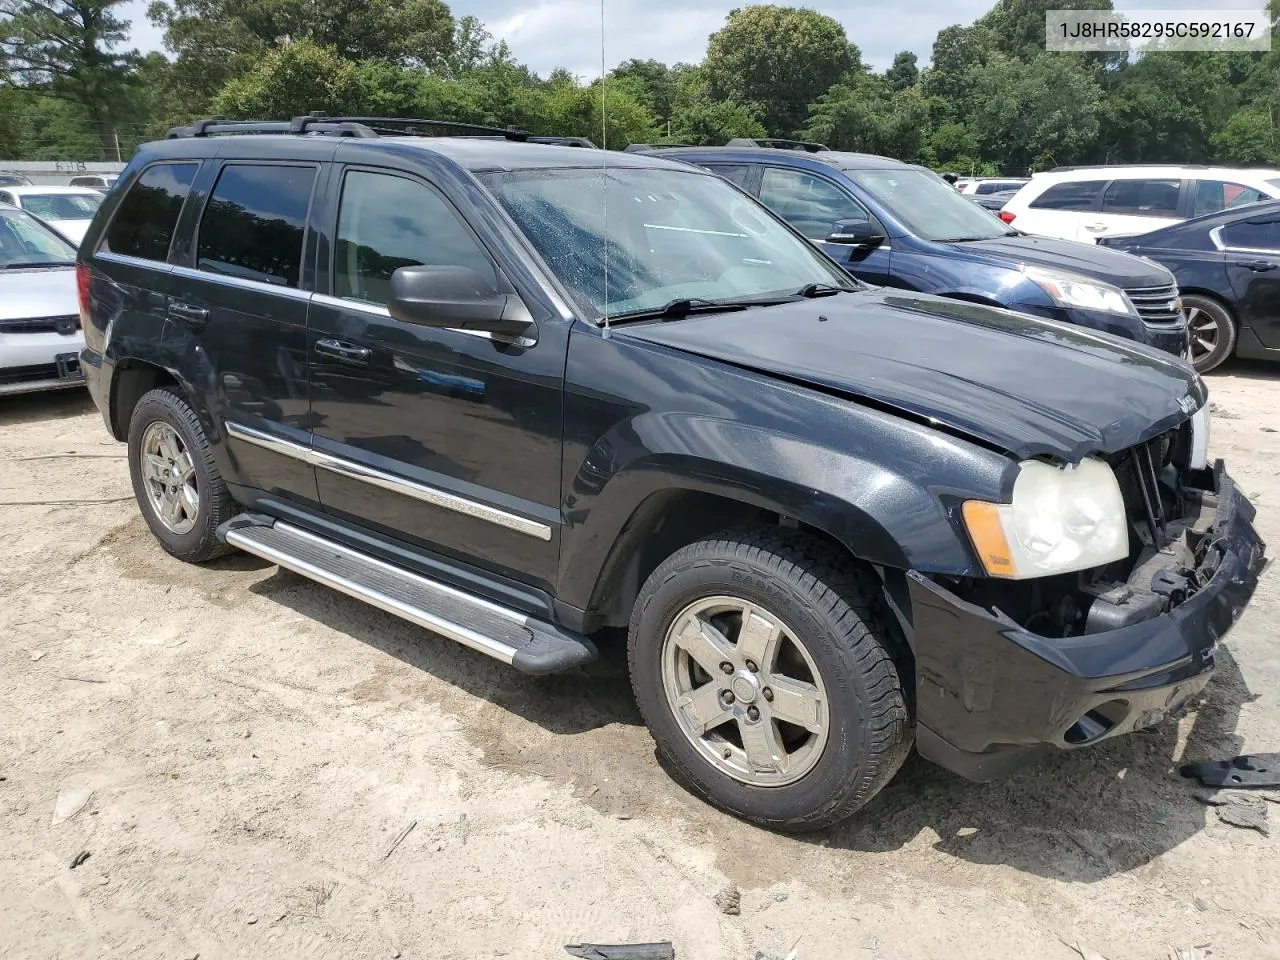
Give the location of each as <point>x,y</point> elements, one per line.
<point>36,265</point>
<point>811,290</point>
<point>680,308</point>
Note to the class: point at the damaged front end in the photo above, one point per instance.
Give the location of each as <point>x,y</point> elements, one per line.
<point>1006,666</point>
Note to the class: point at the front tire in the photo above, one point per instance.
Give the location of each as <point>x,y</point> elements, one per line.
<point>178,487</point>
<point>763,664</point>
<point>1211,330</point>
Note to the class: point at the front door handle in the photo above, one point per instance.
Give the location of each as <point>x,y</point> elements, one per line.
<point>195,316</point>
<point>343,351</point>
<point>1095,227</point>
<point>1258,266</point>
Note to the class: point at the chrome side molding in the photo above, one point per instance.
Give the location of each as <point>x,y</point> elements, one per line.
<point>378,478</point>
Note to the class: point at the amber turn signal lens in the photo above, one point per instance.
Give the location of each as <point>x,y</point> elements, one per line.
<point>982,520</point>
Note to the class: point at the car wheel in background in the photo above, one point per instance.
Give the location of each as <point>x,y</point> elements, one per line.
<point>1211,331</point>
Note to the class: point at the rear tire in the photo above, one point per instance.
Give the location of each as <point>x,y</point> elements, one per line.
<point>175,480</point>
<point>1212,331</point>
<point>813,719</point>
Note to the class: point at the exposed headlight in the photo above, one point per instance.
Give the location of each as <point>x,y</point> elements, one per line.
<point>1061,519</point>
<point>1073,290</point>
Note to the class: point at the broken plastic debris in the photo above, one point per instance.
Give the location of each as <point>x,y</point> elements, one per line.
<point>623,951</point>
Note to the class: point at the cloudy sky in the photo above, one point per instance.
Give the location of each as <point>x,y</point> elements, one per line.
<point>566,33</point>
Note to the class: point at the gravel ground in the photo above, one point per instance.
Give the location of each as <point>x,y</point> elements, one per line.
<point>238,751</point>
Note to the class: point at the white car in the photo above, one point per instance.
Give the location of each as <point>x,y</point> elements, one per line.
<point>1085,203</point>
<point>68,210</point>
<point>40,333</point>
<point>982,186</point>
<point>101,182</point>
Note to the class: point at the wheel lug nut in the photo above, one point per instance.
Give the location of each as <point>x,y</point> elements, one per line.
<point>768,693</point>
<point>727,697</point>
<point>727,753</point>
<point>726,667</point>
<point>751,665</point>
<point>753,713</point>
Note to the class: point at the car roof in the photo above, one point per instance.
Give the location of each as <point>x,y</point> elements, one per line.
<point>476,154</point>
<point>1170,171</point>
<point>24,190</point>
<point>839,159</point>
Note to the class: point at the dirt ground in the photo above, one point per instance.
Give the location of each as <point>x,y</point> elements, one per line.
<point>256,744</point>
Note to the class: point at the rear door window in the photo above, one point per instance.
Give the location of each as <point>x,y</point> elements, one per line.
<point>144,222</point>
<point>1214,195</point>
<point>809,203</point>
<point>1076,195</point>
<point>1252,235</point>
<point>254,223</point>
<point>738,173</point>
<point>1142,198</point>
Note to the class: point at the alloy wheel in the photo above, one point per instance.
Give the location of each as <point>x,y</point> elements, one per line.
<point>1204,334</point>
<point>169,477</point>
<point>745,691</point>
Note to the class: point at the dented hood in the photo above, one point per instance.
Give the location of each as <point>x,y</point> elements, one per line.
<point>1028,386</point>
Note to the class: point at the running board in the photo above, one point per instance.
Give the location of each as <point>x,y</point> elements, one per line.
<point>528,644</point>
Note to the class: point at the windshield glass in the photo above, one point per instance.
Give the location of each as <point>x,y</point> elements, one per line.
<point>668,235</point>
<point>26,241</point>
<point>929,207</point>
<point>1274,182</point>
<point>62,206</point>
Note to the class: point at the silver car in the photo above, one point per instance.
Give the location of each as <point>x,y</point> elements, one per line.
<point>40,334</point>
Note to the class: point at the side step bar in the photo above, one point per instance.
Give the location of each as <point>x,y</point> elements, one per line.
<point>528,644</point>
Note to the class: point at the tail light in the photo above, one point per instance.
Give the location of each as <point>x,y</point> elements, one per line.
<point>82,290</point>
<point>1006,216</point>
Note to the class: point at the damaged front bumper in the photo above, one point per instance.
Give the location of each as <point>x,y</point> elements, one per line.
<point>989,692</point>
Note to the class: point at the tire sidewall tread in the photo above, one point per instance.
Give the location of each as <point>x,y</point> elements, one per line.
<point>837,606</point>
<point>1226,347</point>
<point>216,506</point>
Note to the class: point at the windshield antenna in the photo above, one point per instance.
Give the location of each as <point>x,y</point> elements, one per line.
<point>604,170</point>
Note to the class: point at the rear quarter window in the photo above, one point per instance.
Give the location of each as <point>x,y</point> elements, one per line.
<point>144,222</point>
<point>1076,195</point>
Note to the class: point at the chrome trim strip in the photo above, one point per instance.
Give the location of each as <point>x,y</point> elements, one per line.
<point>124,258</point>
<point>423,618</point>
<point>324,300</point>
<point>224,280</point>
<point>432,495</point>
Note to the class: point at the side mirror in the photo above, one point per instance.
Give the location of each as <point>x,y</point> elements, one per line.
<point>449,296</point>
<point>856,233</point>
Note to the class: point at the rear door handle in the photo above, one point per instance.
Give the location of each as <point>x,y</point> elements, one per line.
<point>343,351</point>
<point>1095,227</point>
<point>196,316</point>
<point>1258,266</point>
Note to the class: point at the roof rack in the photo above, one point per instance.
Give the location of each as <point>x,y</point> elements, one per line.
<point>553,141</point>
<point>650,147</point>
<point>319,122</point>
<point>1132,166</point>
<point>806,145</point>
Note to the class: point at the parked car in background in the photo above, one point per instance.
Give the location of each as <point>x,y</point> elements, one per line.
<point>992,201</point>
<point>538,394</point>
<point>988,185</point>
<point>68,210</point>
<point>1085,203</point>
<point>13,180</point>
<point>40,334</point>
<point>898,225</point>
<point>102,182</point>
<point>1228,269</point>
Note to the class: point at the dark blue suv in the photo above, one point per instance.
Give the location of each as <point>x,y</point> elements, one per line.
<point>899,225</point>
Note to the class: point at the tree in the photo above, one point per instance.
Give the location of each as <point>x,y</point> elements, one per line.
<point>293,80</point>
<point>865,114</point>
<point>1016,27</point>
<point>67,49</point>
<point>703,122</point>
<point>904,72</point>
<point>957,51</point>
<point>1034,115</point>
<point>217,40</point>
<point>651,82</point>
<point>781,58</point>
<point>1250,136</point>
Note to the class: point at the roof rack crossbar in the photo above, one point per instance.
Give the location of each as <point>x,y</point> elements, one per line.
<point>806,145</point>
<point>318,122</point>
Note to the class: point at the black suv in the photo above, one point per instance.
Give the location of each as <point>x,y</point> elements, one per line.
<point>520,394</point>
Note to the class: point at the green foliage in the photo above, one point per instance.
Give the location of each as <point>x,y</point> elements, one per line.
<point>1250,136</point>
<point>782,58</point>
<point>1034,115</point>
<point>904,72</point>
<point>292,80</point>
<point>865,114</point>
